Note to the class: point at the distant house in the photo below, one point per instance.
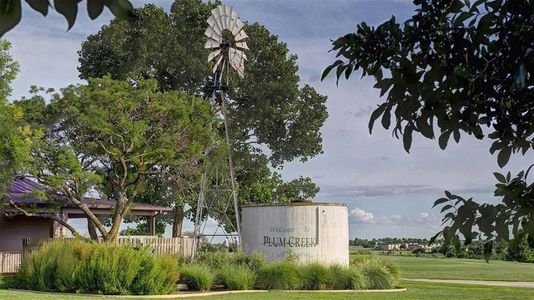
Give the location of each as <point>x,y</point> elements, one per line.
<point>14,229</point>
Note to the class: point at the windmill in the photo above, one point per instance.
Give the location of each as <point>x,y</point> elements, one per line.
<point>226,41</point>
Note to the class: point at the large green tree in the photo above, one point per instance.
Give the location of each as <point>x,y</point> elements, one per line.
<point>112,137</point>
<point>14,136</point>
<point>267,108</point>
<point>453,68</point>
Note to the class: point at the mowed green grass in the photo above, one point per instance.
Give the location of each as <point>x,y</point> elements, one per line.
<point>415,291</point>
<point>471,269</point>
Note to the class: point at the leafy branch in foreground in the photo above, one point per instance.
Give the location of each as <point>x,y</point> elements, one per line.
<point>11,10</point>
<point>463,67</point>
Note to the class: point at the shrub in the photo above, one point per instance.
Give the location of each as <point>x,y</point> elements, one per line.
<point>217,260</point>
<point>316,277</point>
<point>235,277</point>
<point>198,277</point>
<point>214,260</point>
<point>79,266</point>
<point>254,262</point>
<point>347,278</point>
<point>158,275</point>
<point>282,275</point>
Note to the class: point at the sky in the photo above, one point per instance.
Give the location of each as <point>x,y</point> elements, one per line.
<point>389,192</point>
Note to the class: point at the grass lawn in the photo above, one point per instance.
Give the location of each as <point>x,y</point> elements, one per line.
<point>415,291</point>
<point>453,268</point>
<point>410,267</point>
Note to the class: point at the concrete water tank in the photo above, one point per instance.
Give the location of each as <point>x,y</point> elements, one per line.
<point>312,231</point>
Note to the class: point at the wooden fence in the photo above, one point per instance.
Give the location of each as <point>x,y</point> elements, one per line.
<point>10,261</point>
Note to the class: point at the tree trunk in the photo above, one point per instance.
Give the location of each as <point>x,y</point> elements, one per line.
<point>178,220</point>
<point>92,229</point>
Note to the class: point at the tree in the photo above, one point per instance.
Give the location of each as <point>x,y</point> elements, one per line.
<point>267,109</point>
<point>14,137</point>
<point>110,137</point>
<point>466,67</point>
<point>11,10</point>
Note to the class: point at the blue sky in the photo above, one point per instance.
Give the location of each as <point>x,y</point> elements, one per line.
<point>388,192</point>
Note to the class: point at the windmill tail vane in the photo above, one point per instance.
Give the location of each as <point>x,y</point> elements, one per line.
<point>226,40</point>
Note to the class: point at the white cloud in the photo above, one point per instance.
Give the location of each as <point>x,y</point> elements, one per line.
<point>362,216</point>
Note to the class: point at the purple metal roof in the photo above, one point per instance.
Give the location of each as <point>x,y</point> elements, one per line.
<point>22,188</point>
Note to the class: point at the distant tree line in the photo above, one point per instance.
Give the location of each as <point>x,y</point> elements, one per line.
<point>365,243</point>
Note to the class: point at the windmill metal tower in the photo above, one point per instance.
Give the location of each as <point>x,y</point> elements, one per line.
<point>226,40</point>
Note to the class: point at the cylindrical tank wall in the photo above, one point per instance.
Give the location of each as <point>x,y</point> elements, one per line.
<point>316,232</point>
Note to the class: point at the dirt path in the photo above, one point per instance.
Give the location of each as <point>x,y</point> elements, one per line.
<point>521,284</point>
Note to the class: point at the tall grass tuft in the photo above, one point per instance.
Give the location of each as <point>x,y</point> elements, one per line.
<point>316,277</point>
<point>284,275</point>
<point>198,277</point>
<point>79,266</point>
<point>380,274</point>
<point>235,277</point>
<point>347,278</point>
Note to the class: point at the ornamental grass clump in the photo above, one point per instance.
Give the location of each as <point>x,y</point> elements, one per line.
<point>316,276</point>
<point>235,277</point>
<point>86,267</point>
<point>284,275</point>
<point>380,273</point>
<point>347,278</point>
<point>198,277</point>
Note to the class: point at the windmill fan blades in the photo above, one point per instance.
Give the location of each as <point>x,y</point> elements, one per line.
<point>214,54</point>
<point>238,26</point>
<point>225,18</point>
<point>213,25</point>
<point>240,36</point>
<point>242,45</point>
<point>212,44</point>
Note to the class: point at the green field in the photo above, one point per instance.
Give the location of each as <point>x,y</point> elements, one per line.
<point>410,267</point>
<point>452,268</point>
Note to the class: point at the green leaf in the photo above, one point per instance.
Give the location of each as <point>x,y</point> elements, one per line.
<point>446,207</point>
<point>424,127</point>
<point>376,113</point>
<point>10,14</point>
<point>440,201</point>
<point>456,136</point>
<point>499,177</point>
<point>407,137</point>
<point>121,8</point>
<point>95,8</point>
<point>444,139</point>
<point>386,118</point>
<point>504,156</point>
<point>39,5</point>
<point>69,9</point>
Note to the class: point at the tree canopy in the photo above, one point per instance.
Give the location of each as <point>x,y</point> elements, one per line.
<point>14,136</point>
<point>272,118</point>
<point>457,67</point>
<point>111,137</point>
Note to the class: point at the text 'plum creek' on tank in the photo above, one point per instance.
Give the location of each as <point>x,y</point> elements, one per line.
<point>310,231</point>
